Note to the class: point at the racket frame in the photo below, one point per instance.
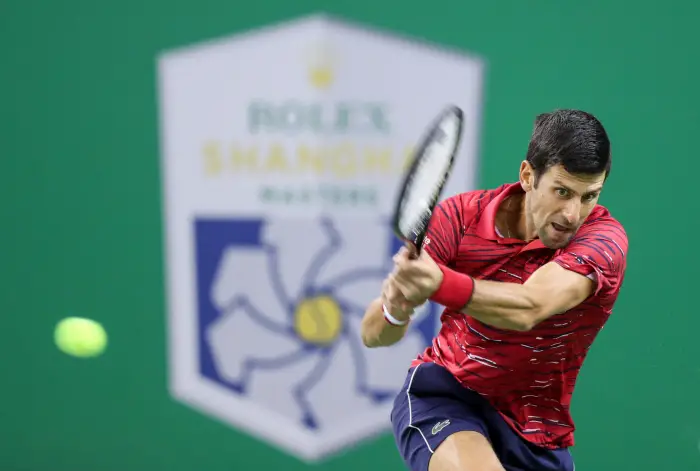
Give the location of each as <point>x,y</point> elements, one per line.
<point>426,140</point>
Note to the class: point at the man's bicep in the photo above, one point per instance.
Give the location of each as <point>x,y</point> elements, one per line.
<point>558,290</point>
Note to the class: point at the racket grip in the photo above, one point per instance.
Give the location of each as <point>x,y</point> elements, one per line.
<point>413,251</point>
<point>455,291</point>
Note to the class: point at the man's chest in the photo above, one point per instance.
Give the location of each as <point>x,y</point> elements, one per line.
<point>501,262</point>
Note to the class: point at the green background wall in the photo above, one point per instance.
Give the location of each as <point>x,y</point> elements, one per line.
<point>81,217</point>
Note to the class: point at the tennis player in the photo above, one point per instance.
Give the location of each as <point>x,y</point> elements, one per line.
<point>528,274</point>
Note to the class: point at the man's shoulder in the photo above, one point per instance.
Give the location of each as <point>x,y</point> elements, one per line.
<point>601,221</point>
<point>475,201</point>
<point>602,243</point>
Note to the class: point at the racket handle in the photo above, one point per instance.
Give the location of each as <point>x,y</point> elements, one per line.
<point>413,251</point>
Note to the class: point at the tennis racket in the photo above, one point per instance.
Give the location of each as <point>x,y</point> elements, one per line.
<point>426,177</point>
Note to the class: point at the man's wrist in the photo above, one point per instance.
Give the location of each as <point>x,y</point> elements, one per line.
<point>455,290</point>
<point>397,321</point>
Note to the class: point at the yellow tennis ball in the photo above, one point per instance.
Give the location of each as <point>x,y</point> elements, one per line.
<point>80,337</point>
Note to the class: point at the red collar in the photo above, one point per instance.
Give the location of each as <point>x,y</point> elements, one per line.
<point>486,226</point>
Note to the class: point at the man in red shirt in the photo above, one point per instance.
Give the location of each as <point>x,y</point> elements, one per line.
<point>528,274</point>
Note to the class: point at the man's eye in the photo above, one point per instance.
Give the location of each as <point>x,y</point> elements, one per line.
<point>562,192</point>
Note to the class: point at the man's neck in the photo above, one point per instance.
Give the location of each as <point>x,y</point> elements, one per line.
<point>526,231</point>
<point>514,221</point>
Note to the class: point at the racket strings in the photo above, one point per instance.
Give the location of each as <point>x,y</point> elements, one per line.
<point>428,178</point>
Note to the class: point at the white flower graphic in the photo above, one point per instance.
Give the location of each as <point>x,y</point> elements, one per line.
<point>288,332</point>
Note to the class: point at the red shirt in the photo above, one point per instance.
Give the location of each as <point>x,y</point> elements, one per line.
<point>528,377</point>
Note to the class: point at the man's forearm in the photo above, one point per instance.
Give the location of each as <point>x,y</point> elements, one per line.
<point>503,305</point>
<point>549,291</point>
<point>376,331</point>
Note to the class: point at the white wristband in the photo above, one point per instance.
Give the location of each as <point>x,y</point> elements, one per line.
<point>391,319</point>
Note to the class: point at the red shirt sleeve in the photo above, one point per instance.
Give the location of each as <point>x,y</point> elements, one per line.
<point>599,251</point>
<point>445,230</point>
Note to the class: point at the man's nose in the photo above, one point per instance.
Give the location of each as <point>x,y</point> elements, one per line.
<point>572,212</point>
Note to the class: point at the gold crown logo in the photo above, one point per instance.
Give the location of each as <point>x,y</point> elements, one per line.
<point>320,69</point>
<point>321,77</point>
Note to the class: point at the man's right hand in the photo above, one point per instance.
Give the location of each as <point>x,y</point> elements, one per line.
<point>397,305</point>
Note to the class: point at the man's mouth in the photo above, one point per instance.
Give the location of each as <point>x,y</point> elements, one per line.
<point>561,229</point>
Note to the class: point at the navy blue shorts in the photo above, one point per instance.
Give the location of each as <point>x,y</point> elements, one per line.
<point>432,405</point>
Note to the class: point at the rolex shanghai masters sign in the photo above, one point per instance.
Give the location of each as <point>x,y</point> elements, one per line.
<point>282,151</point>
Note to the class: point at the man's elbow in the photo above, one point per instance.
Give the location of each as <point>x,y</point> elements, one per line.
<point>522,325</point>
<point>366,338</point>
<point>371,339</point>
<point>367,334</point>
<point>369,343</point>
<point>528,319</point>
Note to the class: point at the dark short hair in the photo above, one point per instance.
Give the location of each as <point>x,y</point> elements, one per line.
<point>571,138</point>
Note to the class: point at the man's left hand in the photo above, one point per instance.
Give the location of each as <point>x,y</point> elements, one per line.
<point>416,278</point>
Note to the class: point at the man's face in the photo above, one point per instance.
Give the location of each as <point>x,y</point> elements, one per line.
<point>559,203</point>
